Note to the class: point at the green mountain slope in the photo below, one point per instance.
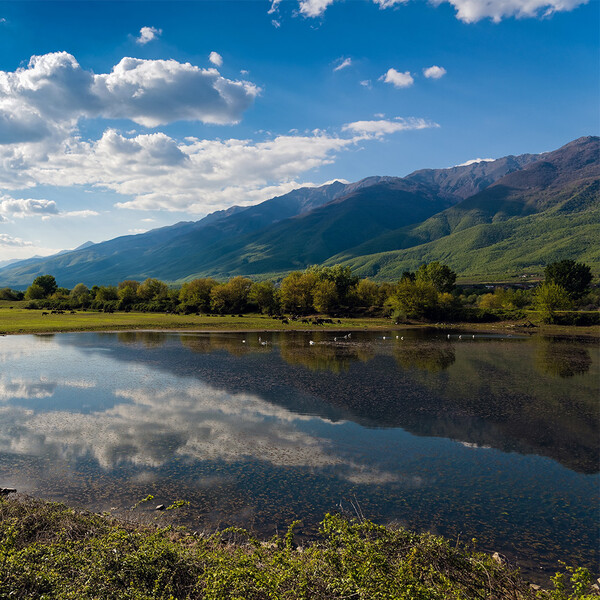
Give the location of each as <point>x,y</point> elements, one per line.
<point>502,247</point>
<point>522,221</point>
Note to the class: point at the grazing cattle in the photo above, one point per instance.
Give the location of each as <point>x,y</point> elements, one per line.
<point>285,321</point>
<point>44,313</point>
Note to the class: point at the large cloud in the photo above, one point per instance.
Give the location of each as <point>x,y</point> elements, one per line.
<point>468,11</point>
<point>195,175</point>
<point>53,92</point>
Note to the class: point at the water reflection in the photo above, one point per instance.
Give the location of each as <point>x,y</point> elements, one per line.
<point>261,428</point>
<point>425,356</point>
<point>559,358</point>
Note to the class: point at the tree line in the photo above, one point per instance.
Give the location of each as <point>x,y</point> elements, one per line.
<point>429,293</point>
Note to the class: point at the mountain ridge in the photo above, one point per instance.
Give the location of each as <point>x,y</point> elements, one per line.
<point>368,224</point>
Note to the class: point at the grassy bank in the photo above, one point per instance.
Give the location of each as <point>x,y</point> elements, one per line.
<point>15,319</point>
<point>50,551</point>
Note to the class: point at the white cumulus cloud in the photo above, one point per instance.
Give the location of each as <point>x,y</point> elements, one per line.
<point>216,59</point>
<point>314,8</point>
<point>471,11</point>
<point>434,72</point>
<point>26,207</point>
<point>147,34</point>
<point>47,98</point>
<point>398,79</point>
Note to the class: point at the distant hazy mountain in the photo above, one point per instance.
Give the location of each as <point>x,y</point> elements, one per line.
<point>486,217</point>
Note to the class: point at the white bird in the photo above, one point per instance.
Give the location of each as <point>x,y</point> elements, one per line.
<point>384,337</point>
<point>397,337</point>
<point>448,336</point>
<point>460,337</point>
<point>473,336</point>
<point>402,338</point>
<point>311,343</point>
<point>243,341</point>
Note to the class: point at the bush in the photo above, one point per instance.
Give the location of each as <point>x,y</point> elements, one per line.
<point>50,551</point>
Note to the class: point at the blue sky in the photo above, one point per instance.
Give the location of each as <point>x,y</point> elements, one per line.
<point>125,121</point>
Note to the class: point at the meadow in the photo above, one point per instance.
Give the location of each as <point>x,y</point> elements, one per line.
<point>15,319</point>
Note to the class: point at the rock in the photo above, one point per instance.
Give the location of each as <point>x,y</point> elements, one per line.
<point>160,507</point>
<point>6,491</point>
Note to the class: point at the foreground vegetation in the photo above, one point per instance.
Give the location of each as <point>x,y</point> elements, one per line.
<point>50,551</point>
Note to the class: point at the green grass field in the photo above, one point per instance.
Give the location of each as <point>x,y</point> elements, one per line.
<point>16,319</point>
<point>20,320</point>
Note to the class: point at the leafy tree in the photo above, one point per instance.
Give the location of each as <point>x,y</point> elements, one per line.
<point>61,293</point>
<point>129,283</point>
<point>195,294</point>
<point>264,295</point>
<point>232,296</point>
<point>80,294</point>
<point>296,292</point>
<point>341,276</point>
<point>574,277</point>
<point>47,283</point>
<point>550,297</point>
<point>152,289</point>
<point>106,293</point>
<point>127,295</point>
<point>8,294</point>
<point>440,276</point>
<point>415,299</point>
<point>325,296</point>
<point>367,293</point>
<point>502,298</point>
<point>35,292</point>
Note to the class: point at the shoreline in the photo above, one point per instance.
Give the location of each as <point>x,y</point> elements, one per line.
<point>151,322</point>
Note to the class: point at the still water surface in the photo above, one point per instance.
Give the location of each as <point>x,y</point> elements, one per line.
<point>492,437</point>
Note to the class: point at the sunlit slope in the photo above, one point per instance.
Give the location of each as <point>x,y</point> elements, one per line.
<point>548,211</point>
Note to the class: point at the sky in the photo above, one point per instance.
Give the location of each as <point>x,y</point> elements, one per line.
<point>121,117</point>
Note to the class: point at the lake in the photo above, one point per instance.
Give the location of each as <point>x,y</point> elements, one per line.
<point>493,437</point>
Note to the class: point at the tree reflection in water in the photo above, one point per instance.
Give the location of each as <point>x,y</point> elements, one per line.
<point>554,356</point>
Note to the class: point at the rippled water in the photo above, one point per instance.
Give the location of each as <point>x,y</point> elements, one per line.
<point>486,437</point>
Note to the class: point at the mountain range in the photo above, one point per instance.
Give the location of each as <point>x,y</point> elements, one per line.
<point>484,219</point>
